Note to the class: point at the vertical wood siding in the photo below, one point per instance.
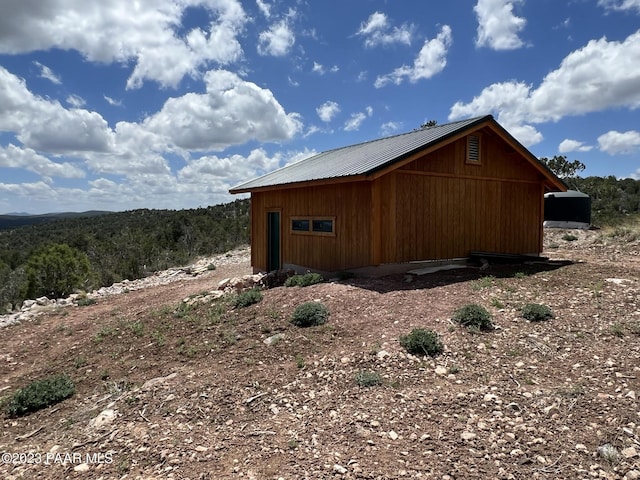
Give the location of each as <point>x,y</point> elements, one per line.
<point>446,208</point>
<point>436,207</point>
<point>349,203</point>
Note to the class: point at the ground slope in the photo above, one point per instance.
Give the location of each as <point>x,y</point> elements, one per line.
<point>167,390</point>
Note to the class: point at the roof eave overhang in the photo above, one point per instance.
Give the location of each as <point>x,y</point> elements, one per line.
<point>306,183</point>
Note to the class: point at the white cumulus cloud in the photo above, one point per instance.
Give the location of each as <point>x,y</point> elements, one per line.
<point>603,74</point>
<point>277,41</point>
<point>112,101</point>
<point>620,4</point>
<point>45,125</point>
<point>569,145</point>
<point>377,31</point>
<point>614,142</point>
<point>389,128</point>
<point>46,72</point>
<point>498,26</point>
<point>264,7</point>
<point>143,33</point>
<point>356,119</point>
<point>232,111</point>
<point>76,101</point>
<point>430,61</point>
<point>328,110</point>
<point>27,158</point>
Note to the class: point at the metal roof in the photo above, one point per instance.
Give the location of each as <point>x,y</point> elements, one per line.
<point>360,159</point>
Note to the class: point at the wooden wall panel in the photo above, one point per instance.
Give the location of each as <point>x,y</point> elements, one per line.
<point>441,218</point>
<point>498,160</point>
<point>349,203</point>
<point>436,207</point>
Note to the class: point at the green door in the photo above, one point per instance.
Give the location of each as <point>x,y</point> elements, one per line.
<point>273,241</point>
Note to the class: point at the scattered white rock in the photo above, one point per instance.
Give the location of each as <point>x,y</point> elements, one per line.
<point>154,382</point>
<point>467,435</point>
<point>629,452</point>
<point>274,339</point>
<point>82,468</point>
<point>32,308</point>
<point>440,370</point>
<point>608,452</point>
<point>393,435</point>
<point>339,469</point>
<point>381,354</point>
<point>104,418</point>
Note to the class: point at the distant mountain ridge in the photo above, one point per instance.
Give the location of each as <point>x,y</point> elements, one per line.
<point>14,220</point>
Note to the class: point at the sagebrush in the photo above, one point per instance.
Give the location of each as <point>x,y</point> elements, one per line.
<point>310,314</point>
<point>368,378</point>
<point>536,312</point>
<point>304,280</point>
<point>422,342</point>
<point>247,298</point>
<point>473,316</point>
<point>40,394</point>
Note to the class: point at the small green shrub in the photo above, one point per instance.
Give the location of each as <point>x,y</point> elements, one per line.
<point>368,378</point>
<point>103,333</point>
<point>535,312</point>
<point>158,338</point>
<point>84,301</point>
<point>304,280</point>
<point>422,342</point>
<point>40,394</point>
<point>473,316</point>
<point>211,267</point>
<point>496,303</point>
<point>618,330</point>
<point>310,314</point>
<point>248,297</point>
<point>80,362</point>
<point>137,328</point>
<point>569,237</point>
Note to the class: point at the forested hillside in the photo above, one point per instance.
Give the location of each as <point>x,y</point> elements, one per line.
<point>612,200</point>
<point>20,220</point>
<point>121,245</point>
<point>57,257</point>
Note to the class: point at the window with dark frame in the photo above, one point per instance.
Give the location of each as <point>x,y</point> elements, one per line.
<point>300,225</point>
<point>324,226</point>
<point>313,225</point>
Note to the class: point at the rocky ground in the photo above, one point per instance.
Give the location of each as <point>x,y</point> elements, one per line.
<point>169,389</point>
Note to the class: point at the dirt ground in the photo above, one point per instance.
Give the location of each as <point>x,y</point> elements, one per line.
<point>170,391</point>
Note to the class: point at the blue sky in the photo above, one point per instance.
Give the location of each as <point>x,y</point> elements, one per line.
<point>121,105</point>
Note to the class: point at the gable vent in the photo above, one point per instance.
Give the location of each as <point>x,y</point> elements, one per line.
<point>473,148</point>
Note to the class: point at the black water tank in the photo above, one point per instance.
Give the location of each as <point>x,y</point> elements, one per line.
<point>571,208</point>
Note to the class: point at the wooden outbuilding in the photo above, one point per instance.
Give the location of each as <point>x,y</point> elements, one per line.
<point>436,193</point>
